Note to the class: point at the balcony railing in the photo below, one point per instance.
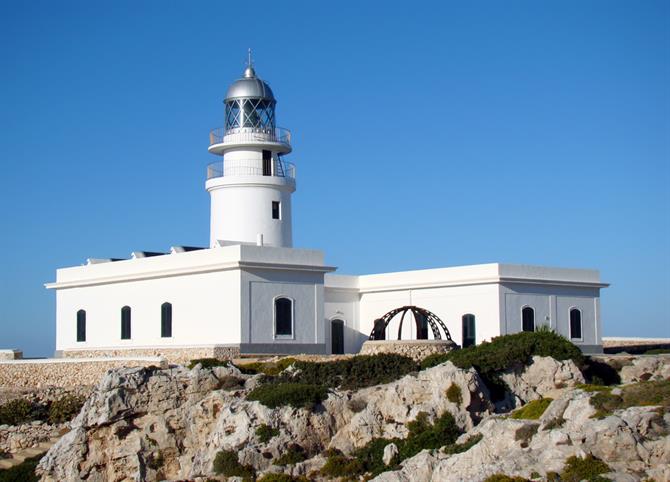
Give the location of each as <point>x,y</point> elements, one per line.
<point>250,134</point>
<point>250,167</point>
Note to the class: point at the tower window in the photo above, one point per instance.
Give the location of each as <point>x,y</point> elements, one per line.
<point>469,337</point>
<point>575,324</point>
<point>125,323</point>
<point>275,210</point>
<point>81,325</point>
<point>283,317</point>
<point>267,163</point>
<point>166,320</point>
<point>528,319</point>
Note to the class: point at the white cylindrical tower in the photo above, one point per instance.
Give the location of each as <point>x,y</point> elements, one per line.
<point>250,185</point>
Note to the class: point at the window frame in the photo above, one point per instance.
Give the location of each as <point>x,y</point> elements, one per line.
<point>79,328</point>
<point>129,310</point>
<point>528,307</point>
<point>276,335</point>
<point>164,322</point>
<point>474,326</point>
<point>278,204</point>
<point>344,326</point>
<point>581,323</point>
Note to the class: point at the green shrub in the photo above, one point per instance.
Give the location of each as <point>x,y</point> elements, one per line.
<point>282,478</point>
<point>508,351</point>
<point>16,412</point>
<point>265,433</point>
<point>533,409</point>
<point>635,395</point>
<point>504,478</point>
<point>657,351</point>
<point>456,448</point>
<point>454,394</point>
<point>65,408</point>
<point>589,468</point>
<point>587,387</point>
<point>337,465</point>
<point>24,472</point>
<point>294,454</point>
<point>208,363</point>
<point>226,463</point>
<point>424,436</point>
<point>230,382</point>
<point>266,368</point>
<point>274,395</point>
<point>353,373</point>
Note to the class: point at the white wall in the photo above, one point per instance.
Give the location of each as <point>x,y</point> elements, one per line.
<point>344,305</point>
<point>205,311</point>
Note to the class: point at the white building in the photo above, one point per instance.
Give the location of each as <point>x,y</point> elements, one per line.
<point>250,291</point>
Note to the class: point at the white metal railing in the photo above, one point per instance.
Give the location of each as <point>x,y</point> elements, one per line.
<point>250,134</point>
<point>250,167</point>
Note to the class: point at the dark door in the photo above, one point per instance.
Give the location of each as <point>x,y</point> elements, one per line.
<point>337,336</point>
<point>267,163</point>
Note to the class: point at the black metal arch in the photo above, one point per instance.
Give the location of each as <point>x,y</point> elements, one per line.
<point>434,321</point>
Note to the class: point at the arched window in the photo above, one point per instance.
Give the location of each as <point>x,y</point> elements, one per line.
<point>283,317</point>
<point>337,337</point>
<point>166,320</point>
<point>575,323</point>
<point>469,337</point>
<point>125,323</point>
<point>528,319</point>
<point>81,325</point>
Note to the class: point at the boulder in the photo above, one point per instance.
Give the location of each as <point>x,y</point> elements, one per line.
<point>645,368</point>
<point>544,377</point>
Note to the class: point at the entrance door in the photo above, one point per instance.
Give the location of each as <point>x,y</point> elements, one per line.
<point>337,336</point>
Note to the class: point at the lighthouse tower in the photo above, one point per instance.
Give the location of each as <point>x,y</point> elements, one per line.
<point>251,184</point>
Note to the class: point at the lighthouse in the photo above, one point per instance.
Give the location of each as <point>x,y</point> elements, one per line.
<point>250,185</point>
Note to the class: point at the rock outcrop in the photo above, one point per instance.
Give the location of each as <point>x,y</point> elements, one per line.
<point>646,368</point>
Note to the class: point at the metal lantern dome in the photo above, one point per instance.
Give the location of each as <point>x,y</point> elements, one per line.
<point>422,318</point>
<point>250,104</point>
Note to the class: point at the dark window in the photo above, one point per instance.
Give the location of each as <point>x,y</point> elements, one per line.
<point>275,209</point>
<point>283,317</point>
<point>469,338</point>
<point>575,323</point>
<point>267,163</point>
<point>125,323</point>
<point>81,325</point>
<point>528,319</point>
<point>421,327</point>
<point>166,320</point>
<point>337,336</point>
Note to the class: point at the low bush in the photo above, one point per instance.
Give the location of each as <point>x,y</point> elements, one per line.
<point>635,395</point>
<point>208,363</point>
<point>337,465</point>
<point>454,394</point>
<point>226,463</point>
<point>425,436</point>
<point>265,433</point>
<point>356,372</point>
<point>533,409</point>
<point>589,468</point>
<point>16,412</point>
<point>504,478</point>
<point>456,448</point>
<point>294,454</point>
<point>587,387</point>
<point>24,472</point>
<point>65,409</point>
<point>230,382</point>
<point>298,395</point>
<point>597,372</point>
<point>266,368</point>
<point>657,351</point>
<point>282,478</point>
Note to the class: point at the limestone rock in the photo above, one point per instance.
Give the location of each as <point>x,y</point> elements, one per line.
<point>390,451</point>
<point>646,368</point>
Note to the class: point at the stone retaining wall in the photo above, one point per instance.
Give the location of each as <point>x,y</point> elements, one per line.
<point>11,354</point>
<point>59,372</point>
<point>415,349</point>
<point>14,438</point>
<point>176,355</point>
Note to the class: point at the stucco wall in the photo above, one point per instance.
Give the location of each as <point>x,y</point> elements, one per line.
<point>344,305</point>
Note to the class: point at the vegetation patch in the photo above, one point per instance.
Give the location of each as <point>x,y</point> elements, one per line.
<point>226,463</point>
<point>657,351</point>
<point>533,410</point>
<point>504,478</point>
<point>457,448</point>
<point>422,435</point>
<point>525,433</point>
<point>588,468</point>
<point>554,423</point>
<point>593,388</point>
<point>635,395</point>
<point>597,372</point>
<point>208,363</point>
<point>454,394</point>
<point>266,368</point>
<point>24,472</point>
<point>282,478</point>
<point>65,409</point>
<point>265,433</point>
<point>230,382</point>
<point>294,454</point>
<point>16,412</point>
<point>298,395</point>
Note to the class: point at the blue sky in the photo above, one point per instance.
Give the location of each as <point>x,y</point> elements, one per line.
<point>425,135</point>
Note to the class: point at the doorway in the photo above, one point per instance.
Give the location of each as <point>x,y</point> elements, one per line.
<point>337,337</point>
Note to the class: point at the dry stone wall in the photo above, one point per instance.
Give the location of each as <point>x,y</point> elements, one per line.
<point>58,372</point>
<point>415,349</point>
<point>177,355</point>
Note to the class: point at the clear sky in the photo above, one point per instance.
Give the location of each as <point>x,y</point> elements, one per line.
<point>425,135</point>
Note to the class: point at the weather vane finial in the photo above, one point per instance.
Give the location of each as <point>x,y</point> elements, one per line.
<point>249,71</point>
<point>249,61</point>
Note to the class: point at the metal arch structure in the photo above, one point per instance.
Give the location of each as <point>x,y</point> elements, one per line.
<point>434,321</point>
